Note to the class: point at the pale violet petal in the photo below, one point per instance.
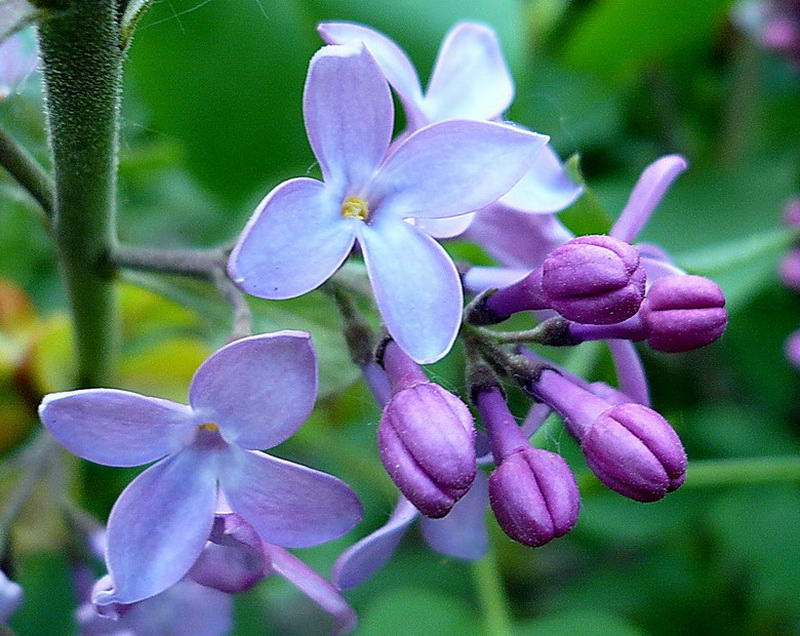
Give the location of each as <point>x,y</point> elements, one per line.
<point>259,390</point>
<point>396,67</point>
<point>480,278</point>
<point>159,525</point>
<point>349,114</point>
<point>361,560</point>
<point>318,589</point>
<point>470,78</point>
<point>416,286</point>
<point>630,372</point>
<point>515,239</point>
<point>10,597</point>
<point>445,228</point>
<point>646,195</point>
<point>545,187</point>
<point>462,533</point>
<point>286,503</point>
<point>452,167</point>
<point>115,428</point>
<point>294,241</point>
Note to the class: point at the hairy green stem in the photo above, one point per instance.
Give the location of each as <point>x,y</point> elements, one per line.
<point>198,263</point>
<point>489,586</point>
<point>28,173</point>
<point>82,75</point>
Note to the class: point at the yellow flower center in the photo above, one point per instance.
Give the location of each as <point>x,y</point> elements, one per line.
<point>355,208</point>
<point>209,426</point>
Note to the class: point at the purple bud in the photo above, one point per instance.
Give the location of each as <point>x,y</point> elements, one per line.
<point>682,313</point>
<point>792,349</point>
<point>791,214</point>
<point>426,439</point>
<point>789,269</point>
<point>534,496</point>
<point>633,450</point>
<point>594,279</point>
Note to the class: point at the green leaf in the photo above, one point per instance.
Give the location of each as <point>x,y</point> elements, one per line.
<point>587,215</point>
<point>583,622</point>
<point>616,38</point>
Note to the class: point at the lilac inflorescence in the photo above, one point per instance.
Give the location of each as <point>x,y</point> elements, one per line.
<point>789,272</point>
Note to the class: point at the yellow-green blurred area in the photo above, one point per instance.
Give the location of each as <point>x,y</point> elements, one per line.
<point>212,120</point>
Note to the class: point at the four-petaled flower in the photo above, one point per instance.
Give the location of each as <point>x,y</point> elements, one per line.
<point>304,229</point>
<point>251,394</point>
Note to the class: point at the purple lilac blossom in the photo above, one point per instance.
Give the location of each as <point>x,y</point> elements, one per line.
<point>630,447</point>
<point>532,492</point>
<point>426,437</point>
<point>462,534</point>
<point>789,269</point>
<point>233,560</point>
<point>251,394</point>
<point>791,214</point>
<point>774,24</point>
<point>304,229</point>
<point>17,61</point>
<point>10,597</point>
<point>470,80</point>
<point>792,348</point>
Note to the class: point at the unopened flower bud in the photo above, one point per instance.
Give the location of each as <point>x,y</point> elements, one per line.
<point>790,269</point>
<point>633,450</point>
<point>426,439</point>
<point>594,280</point>
<point>534,496</point>
<point>682,313</point>
<point>792,348</point>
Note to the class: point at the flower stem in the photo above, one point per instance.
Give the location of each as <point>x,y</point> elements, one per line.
<point>198,263</point>
<point>28,173</point>
<point>82,81</point>
<point>489,586</point>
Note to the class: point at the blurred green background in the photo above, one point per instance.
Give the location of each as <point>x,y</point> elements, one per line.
<point>212,120</point>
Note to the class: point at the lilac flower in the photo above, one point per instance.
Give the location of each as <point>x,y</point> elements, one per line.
<point>462,534</point>
<point>792,348</point>
<point>251,394</point>
<point>17,61</point>
<point>233,560</point>
<point>426,437</point>
<point>532,491</point>
<point>791,214</point>
<point>470,80</point>
<point>10,597</point>
<point>630,447</point>
<point>304,229</point>
<point>789,269</point>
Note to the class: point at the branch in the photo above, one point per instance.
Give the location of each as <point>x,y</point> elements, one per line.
<point>28,173</point>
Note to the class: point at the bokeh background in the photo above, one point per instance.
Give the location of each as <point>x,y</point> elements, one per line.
<point>212,120</point>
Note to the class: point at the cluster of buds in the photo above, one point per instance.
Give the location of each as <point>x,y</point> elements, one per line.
<point>789,271</point>
<point>598,286</point>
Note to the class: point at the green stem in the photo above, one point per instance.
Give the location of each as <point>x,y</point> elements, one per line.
<point>28,173</point>
<point>197,263</point>
<point>489,586</point>
<point>82,80</point>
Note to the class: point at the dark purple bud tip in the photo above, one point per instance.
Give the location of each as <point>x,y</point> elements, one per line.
<point>790,269</point>
<point>684,312</point>
<point>426,439</point>
<point>534,496</point>
<point>595,280</point>
<point>633,450</point>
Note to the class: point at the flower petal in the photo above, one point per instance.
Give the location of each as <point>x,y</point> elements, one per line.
<point>349,114</point>
<point>259,389</point>
<point>452,167</point>
<point>159,525</point>
<point>516,239</point>
<point>445,228</point>
<point>318,589</point>
<point>630,372</point>
<point>361,560</point>
<point>286,503</point>
<point>470,78</point>
<point>10,597</point>
<point>294,241</point>
<point>462,533</point>
<point>646,195</point>
<point>416,286</point>
<point>115,428</point>
<point>545,187</point>
<point>393,62</point>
